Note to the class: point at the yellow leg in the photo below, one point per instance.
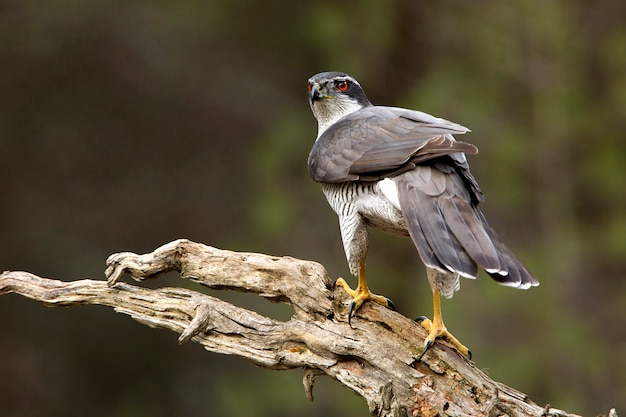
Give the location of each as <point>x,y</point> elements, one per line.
<point>362,294</point>
<point>437,330</point>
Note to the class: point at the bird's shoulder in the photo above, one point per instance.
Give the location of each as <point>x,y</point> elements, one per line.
<point>399,121</point>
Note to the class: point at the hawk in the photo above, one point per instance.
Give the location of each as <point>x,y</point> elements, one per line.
<point>402,171</point>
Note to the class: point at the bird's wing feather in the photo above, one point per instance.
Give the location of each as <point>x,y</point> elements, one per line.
<point>378,142</point>
<point>394,154</point>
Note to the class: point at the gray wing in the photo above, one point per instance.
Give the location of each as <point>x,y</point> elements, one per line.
<point>449,230</point>
<point>378,142</point>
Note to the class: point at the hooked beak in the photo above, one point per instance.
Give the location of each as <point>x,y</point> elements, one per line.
<point>317,93</point>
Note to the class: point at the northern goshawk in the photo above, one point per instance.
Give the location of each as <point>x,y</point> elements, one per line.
<point>403,172</point>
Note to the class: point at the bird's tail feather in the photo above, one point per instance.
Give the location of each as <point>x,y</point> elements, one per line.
<point>452,234</point>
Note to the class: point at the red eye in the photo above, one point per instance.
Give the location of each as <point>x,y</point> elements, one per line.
<point>342,85</point>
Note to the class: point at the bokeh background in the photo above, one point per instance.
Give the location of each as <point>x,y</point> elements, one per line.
<point>125,125</point>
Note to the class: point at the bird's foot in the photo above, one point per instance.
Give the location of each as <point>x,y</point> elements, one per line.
<point>438,330</point>
<point>361,295</point>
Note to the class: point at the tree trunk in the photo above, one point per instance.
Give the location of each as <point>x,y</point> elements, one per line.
<point>375,357</point>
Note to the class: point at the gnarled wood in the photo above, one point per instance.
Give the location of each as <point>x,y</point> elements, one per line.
<point>375,357</point>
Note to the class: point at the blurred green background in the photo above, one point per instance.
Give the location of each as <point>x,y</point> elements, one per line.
<point>124,125</point>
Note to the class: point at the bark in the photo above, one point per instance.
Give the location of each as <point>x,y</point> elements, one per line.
<point>375,357</point>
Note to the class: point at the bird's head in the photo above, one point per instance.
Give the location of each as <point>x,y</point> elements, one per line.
<point>333,95</point>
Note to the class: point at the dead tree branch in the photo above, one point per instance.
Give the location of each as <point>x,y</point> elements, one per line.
<point>375,357</point>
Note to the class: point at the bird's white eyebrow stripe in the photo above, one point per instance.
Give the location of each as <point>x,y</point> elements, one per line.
<point>348,78</point>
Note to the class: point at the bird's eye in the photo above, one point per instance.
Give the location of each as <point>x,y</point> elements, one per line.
<point>342,85</point>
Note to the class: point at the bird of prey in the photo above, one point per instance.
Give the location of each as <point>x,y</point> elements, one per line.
<point>403,172</point>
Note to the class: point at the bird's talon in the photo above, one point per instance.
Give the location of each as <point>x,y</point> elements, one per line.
<point>437,330</point>
<point>351,311</point>
<point>424,322</point>
<point>361,295</point>
<point>427,345</point>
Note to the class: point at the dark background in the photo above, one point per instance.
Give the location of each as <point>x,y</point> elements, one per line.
<point>125,125</point>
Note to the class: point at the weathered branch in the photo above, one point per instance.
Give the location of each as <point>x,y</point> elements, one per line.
<point>375,357</point>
